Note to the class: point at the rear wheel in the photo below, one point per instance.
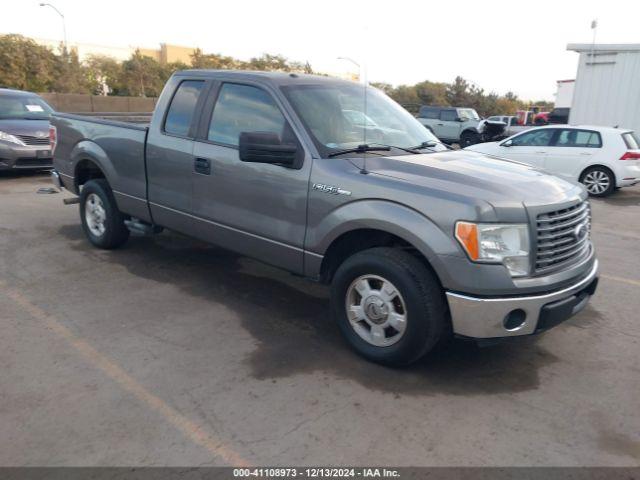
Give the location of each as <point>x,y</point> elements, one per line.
<point>389,306</point>
<point>102,222</point>
<point>600,181</point>
<point>469,138</point>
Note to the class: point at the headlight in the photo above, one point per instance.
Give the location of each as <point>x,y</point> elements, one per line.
<point>497,243</point>
<point>10,138</point>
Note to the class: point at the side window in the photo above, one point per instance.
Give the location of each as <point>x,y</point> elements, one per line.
<point>534,138</point>
<point>448,115</point>
<point>182,107</point>
<point>243,108</point>
<point>589,139</point>
<point>578,138</point>
<point>431,113</point>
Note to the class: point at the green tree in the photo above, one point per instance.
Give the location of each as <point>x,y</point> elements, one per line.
<point>103,71</point>
<point>69,75</point>
<point>214,61</point>
<point>25,65</point>
<point>142,76</point>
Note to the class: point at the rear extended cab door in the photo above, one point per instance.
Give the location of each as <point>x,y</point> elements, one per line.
<point>169,151</point>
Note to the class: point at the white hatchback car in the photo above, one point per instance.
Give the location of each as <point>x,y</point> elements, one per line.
<point>602,158</point>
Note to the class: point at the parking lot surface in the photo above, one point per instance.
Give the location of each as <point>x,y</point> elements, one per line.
<point>173,352</point>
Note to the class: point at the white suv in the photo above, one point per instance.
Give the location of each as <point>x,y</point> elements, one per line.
<point>602,158</point>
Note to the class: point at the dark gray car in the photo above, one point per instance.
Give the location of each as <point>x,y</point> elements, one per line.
<point>24,131</point>
<point>417,242</point>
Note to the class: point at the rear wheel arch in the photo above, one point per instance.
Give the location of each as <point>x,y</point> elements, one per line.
<point>87,169</point>
<point>597,165</point>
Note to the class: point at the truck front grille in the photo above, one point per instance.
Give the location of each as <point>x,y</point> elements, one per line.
<point>29,140</point>
<point>563,237</point>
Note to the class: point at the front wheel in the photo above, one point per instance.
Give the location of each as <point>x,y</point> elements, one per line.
<point>102,222</point>
<point>469,138</point>
<point>600,181</point>
<point>389,305</point>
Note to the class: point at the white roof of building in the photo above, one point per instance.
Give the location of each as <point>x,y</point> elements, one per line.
<point>604,47</point>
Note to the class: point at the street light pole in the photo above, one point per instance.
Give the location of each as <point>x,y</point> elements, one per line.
<point>351,60</point>
<point>64,24</point>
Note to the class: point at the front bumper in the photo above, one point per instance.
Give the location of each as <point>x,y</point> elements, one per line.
<point>478,317</point>
<point>25,157</point>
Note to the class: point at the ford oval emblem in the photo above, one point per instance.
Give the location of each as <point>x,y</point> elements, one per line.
<point>580,232</point>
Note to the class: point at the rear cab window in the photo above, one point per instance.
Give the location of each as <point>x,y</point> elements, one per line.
<point>180,114</point>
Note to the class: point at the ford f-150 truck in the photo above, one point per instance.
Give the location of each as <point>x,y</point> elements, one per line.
<point>417,242</point>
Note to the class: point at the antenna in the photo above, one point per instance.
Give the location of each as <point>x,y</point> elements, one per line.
<point>363,73</point>
<point>363,79</point>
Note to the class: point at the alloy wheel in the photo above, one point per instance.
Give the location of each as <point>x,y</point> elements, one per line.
<point>376,310</point>
<point>597,182</point>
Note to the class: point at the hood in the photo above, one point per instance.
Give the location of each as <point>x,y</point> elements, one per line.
<point>478,176</point>
<point>33,128</point>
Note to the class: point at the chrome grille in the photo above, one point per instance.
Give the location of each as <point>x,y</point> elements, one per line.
<point>29,140</point>
<point>560,242</point>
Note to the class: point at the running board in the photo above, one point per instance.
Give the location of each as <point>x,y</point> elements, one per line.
<point>140,227</point>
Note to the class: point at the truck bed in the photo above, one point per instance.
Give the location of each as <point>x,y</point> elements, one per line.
<point>118,147</point>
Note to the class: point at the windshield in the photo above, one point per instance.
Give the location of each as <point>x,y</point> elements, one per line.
<point>24,107</point>
<point>468,114</point>
<point>335,116</point>
<point>358,118</point>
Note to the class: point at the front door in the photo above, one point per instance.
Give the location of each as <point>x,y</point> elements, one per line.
<point>253,208</point>
<point>530,147</point>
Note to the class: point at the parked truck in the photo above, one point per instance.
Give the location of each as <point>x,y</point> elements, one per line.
<point>417,242</point>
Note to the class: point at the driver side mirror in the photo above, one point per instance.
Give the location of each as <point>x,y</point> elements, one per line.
<point>263,147</point>
<point>508,143</point>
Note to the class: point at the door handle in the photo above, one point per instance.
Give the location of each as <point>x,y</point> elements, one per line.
<point>441,124</point>
<point>541,151</point>
<point>202,165</point>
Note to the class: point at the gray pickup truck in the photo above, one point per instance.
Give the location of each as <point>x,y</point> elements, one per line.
<point>417,242</point>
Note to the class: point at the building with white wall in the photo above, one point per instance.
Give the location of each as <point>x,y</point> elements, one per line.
<point>607,86</point>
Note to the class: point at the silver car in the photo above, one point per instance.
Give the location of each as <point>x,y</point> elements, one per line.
<point>24,131</point>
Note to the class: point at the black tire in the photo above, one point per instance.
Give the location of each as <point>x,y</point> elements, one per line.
<point>589,176</point>
<point>469,138</point>
<point>426,311</point>
<point>115,232</point>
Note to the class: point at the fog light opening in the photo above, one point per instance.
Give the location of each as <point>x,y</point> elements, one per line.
<point>514,320</point>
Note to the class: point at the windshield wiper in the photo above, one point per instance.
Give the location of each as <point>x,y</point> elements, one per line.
<point>360,149</point>
<point>404,149</point>
<point>431,144</point>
